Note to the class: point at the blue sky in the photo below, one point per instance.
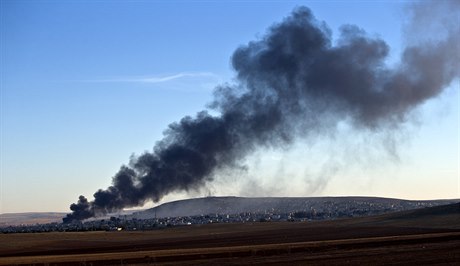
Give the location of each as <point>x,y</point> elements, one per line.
<point>85,84</point>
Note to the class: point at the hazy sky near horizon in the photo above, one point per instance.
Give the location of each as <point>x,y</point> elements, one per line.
<point>85,84</point>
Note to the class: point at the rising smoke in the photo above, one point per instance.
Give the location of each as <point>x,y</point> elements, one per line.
<point>292,83</point>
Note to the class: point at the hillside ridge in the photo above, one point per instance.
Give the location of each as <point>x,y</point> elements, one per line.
<point>235,205</point>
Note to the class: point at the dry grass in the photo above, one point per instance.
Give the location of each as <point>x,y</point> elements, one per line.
<point>315,250</point>
<point>405,238</point>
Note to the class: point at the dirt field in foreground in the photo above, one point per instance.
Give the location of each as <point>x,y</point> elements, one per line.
<point>322,243</point>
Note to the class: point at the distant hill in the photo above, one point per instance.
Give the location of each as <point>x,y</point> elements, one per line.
<point>236,205</point>
<point>444,216</point>
<point>397,212</point>
<point>30,218</point>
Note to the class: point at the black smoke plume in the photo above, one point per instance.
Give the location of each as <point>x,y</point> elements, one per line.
<point>294,82</point>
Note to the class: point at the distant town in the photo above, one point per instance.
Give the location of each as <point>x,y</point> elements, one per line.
<point>311,210</point>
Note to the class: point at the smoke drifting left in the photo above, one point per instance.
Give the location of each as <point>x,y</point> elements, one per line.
<point>293,82</point>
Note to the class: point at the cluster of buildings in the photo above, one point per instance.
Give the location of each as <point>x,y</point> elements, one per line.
<point>326,210</point>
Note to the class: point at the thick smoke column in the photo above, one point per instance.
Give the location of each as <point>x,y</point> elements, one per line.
<point>291,83</point>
